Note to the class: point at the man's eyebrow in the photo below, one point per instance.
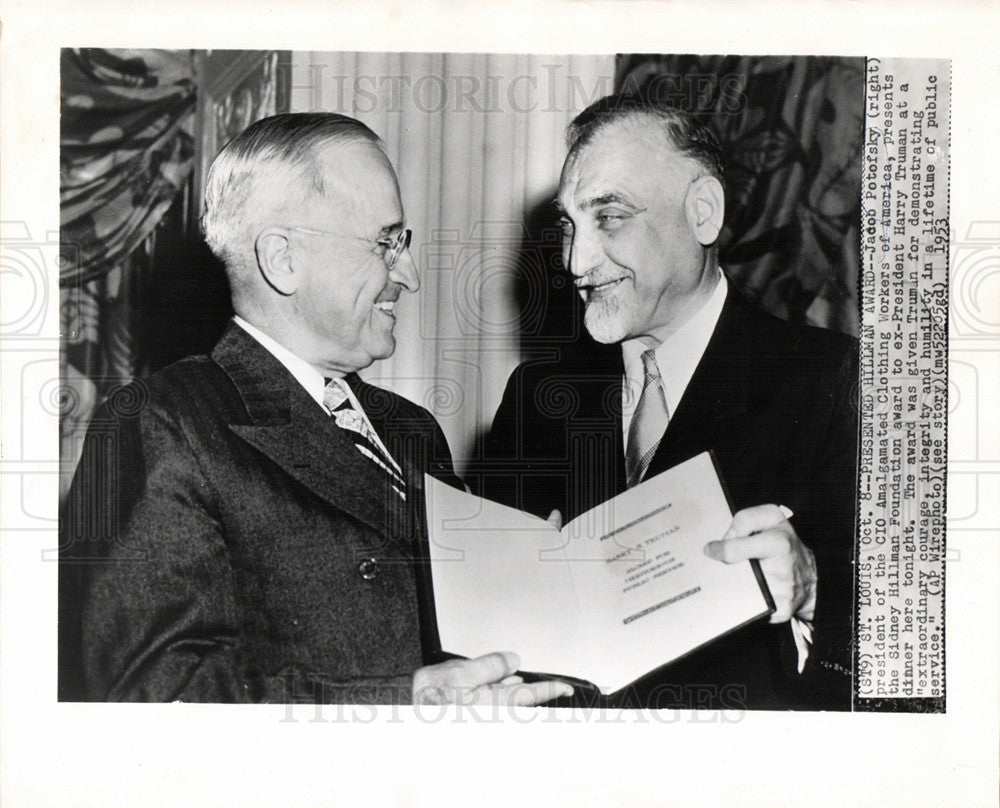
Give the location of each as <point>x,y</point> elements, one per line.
<point>610,198</point>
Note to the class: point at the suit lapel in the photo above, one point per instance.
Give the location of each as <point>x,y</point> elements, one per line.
<point>714,409</point>
<point>285,424</point>
<point>594,432</point>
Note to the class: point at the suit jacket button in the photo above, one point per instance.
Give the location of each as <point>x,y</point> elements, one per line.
<point>368,568</point>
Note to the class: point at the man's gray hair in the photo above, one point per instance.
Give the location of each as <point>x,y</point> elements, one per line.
<point>271,164</point>
<point>683,131</point>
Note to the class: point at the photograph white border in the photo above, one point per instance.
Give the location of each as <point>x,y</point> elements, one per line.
<point>108,755</point>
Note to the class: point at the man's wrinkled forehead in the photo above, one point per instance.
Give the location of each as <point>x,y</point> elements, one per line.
<point>359,183</point>
<point>356,174</point>
<point>634,153</point>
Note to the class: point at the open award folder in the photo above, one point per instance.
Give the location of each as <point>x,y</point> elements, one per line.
<point>618,592</point>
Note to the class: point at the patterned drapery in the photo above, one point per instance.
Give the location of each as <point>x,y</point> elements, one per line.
<point>126,153</point>
<point>126,149</point>
<point>791,129</point>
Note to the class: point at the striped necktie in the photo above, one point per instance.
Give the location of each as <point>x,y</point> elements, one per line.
<point>338,402</point>
<point>648,423</point>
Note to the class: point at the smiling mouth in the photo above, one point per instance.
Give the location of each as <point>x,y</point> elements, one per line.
<point>589,290</point>
<point>386,307</point>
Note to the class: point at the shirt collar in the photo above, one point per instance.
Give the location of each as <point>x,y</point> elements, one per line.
<point>304,373</point>
<point>677,354</point>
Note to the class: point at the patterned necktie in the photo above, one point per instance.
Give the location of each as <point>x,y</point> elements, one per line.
<point>336,399</point>
<point>649,422</point>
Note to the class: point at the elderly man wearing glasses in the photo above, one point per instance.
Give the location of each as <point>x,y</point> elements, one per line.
<point>255,533</point>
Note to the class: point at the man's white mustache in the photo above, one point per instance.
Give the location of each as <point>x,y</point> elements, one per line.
<point>590,282</point>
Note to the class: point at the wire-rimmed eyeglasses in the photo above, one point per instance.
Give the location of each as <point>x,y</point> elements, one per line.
<point>393,247</point>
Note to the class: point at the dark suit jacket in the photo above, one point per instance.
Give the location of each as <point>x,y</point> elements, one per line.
<point>225,541</point>
<point>777,404</point>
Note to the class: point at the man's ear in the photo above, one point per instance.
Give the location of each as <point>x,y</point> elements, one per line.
<point>706,207</point>
<point>274,260</point>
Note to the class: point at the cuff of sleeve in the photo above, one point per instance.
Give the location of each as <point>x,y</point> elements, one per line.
<point>802,632</point>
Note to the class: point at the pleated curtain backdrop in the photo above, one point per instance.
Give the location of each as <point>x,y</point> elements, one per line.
<point>477,142</point>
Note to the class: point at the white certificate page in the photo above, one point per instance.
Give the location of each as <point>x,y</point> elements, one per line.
<point>618,592</point>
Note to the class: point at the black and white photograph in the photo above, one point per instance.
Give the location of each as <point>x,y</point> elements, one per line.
<point>425,396</point>
<point>686,283</point>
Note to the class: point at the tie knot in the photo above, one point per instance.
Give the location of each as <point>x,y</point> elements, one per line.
<point>649,366</point>
<point>335,396</point>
